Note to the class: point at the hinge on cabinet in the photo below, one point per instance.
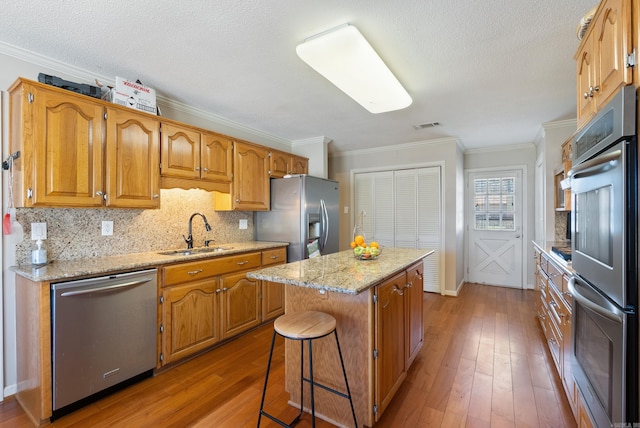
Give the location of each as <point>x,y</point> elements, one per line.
<point>30,97</point>
<point>375,298</point>
<point>29,193</point>
<point>161,299</point>
<point>161,357</point>
<point>161,328</point>
<point>375,354</point>
<point>375,409</point>
<point>105,115</point>
<point>631,59</point>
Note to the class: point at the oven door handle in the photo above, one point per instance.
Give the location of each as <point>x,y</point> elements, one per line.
<point>599,164</point>
<point>584,301</point>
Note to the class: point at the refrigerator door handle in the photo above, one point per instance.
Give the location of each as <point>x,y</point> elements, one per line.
<point>324,215</point>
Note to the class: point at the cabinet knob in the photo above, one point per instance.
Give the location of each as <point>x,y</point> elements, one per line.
<point>225,289</point>
<point>197,168</point>
<point>156,196</point>
<point>205,169</point>
<point>586,95</point>
<point>99,193</point>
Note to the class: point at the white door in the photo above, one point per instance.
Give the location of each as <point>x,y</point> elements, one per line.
<point>495,228</point>
<point>403,208</point>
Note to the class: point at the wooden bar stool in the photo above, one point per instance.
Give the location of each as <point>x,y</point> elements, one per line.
<point>307,326</point>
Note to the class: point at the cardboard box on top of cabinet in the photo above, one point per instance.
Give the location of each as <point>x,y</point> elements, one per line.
<point>132,94</point>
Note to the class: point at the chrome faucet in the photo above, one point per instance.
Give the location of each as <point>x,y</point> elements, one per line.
<point>189,239</point>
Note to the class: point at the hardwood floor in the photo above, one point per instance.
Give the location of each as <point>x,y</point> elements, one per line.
<point>484,363</point>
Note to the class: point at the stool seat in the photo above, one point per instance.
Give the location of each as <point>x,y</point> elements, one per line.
<point>305,325</point>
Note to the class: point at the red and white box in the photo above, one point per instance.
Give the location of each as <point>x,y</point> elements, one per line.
<point>132,94</point>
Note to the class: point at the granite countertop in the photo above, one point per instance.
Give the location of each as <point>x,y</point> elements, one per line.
<point>342,272</point>
<point>127,262</point>
<point>545,247</point>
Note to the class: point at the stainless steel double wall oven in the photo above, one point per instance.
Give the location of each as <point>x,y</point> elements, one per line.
<point>604,187</point>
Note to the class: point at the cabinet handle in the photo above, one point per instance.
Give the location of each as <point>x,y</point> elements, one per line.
<point>274,257</point>
<point>197,168</point>
<point>409,284</point>
<point>586,95</point>
<point>397,290</point>
<point>205,169</point>
<point>99,193</point>
<point>156,196</point>
<point>194,272</point>
<point>237,200</point>
<point>593,89</point>
<point>242,263</point>
<point>225,289</point>
<point>218,290</point>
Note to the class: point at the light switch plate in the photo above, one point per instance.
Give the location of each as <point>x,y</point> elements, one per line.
<point>107,227</point>
<point>38,231</point>
<point>244,223</point>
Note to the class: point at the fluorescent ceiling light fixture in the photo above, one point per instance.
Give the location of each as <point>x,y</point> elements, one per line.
<point>347,60</point>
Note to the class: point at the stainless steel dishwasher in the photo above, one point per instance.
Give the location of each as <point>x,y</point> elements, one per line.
<point>104,333</point>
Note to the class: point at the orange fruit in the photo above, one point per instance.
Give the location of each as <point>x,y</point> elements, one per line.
<point>353,244</point>
<point>374,244</point>
<point>359,240</point>
<point>363,245</point>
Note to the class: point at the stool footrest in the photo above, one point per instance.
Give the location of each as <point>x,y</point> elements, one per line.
<point>279,422</point>
<point>326,388</point>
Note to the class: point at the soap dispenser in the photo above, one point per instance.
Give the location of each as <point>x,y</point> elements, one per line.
<point>39,255</point>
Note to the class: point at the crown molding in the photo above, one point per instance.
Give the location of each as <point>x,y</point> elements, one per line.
<point>560,124</point>
<point>500,148</point>
<point>311,141</point>
<point>396,147</point>
<point>89,76</point>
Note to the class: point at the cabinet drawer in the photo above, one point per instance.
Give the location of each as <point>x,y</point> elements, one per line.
<point>554,274</point>
<point>201,269</point>
<point>275,256</point>
<point>544,262</point>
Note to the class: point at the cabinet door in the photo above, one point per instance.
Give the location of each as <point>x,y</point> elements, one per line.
<point>216,157</point>
<point>390,343</point>
<point>299,165</point>
<point>66,146</point>
<point>240,304</point>
<point>585,81</point>
<point>272,300</point>
<point>132,153</point>
<point>612,41</point>
<point>414,295</point>
<point>567,368</point>
<point>251,187</point>
<point>190,318</point>
<point>278,164</point>
<point>180,152</point>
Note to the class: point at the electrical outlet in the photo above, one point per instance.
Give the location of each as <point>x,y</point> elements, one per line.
<point>38,231</point>
<point>244,223</point>
<point>346,210</point>
<point>107,227</point>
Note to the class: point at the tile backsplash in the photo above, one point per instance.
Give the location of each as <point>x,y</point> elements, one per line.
<point>76,233</point>
<point>562,219</point>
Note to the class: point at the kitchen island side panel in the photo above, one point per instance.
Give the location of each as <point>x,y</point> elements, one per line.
<point>354,315</point>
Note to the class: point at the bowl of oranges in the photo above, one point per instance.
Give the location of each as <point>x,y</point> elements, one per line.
<point>363,250</point>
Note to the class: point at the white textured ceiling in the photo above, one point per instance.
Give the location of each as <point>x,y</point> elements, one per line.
<point>491,72</point>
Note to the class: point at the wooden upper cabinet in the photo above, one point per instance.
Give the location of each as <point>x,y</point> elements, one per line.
<point>216,156</point>
<point>60,142</point>
<point>132,153</point>
<point>180,152</point>
<point>282,163</point>
<point>602,58</point>
<point>193,154</point>
<point>251,189</point>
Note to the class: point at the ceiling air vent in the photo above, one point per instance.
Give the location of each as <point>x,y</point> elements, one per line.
<point>426,125</point>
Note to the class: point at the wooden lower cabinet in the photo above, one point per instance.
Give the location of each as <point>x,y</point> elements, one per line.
<point>191,319</point>
<point>207,301</point>
<point>390,339</point>
<point>414,292</point>
<point>240,304</point>
<point>272,300</point>
<point>374,331</point>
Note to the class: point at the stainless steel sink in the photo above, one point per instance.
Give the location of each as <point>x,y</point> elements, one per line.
<point>187,252</point>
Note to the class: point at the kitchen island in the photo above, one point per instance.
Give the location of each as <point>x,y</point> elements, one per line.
<point>378,308</point>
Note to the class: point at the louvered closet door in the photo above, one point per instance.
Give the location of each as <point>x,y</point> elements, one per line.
<point>418,217</point>
<point>403,209</point>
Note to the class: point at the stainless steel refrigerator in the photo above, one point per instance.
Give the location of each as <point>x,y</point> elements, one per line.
<point>303,209</point>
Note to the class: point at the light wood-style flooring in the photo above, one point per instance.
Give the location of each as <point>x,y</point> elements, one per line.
<point>483,364</point>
